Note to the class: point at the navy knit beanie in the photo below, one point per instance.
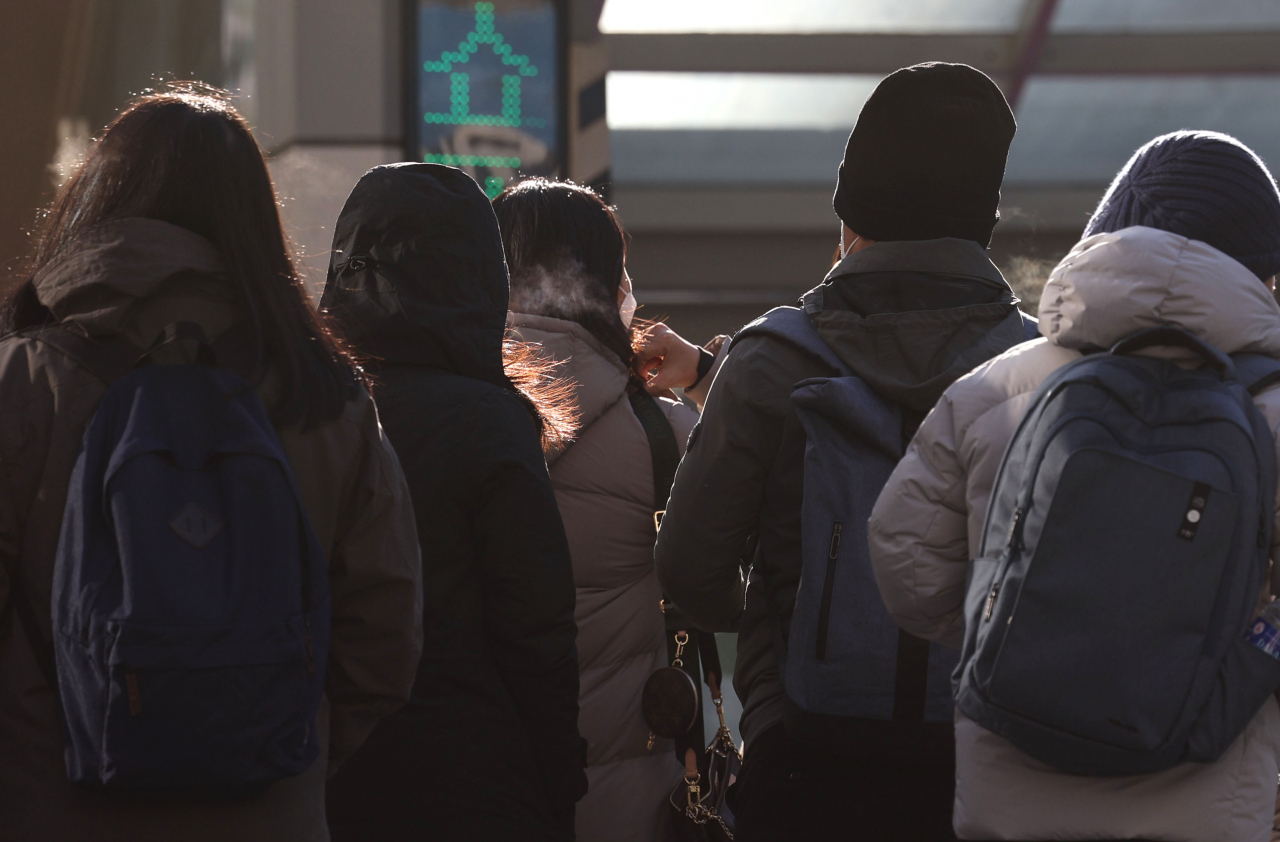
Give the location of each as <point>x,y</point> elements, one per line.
<point>1203,186</point>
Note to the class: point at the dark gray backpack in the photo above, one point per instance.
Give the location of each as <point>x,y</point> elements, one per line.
<point>845,660</point>
<point>1127,538</point>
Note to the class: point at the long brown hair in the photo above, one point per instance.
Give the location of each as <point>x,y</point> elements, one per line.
<point>550,398</point>
<point>183,155</point>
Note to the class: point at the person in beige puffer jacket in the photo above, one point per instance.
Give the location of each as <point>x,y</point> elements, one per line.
<point>928,523</point>
<point>568,283</point>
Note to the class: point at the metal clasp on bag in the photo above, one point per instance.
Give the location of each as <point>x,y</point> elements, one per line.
<point>682,637</point>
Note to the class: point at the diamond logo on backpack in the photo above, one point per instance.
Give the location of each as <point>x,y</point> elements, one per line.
<point>196,526</point>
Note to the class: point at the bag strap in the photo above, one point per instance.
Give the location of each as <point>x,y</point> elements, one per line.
<point>1030,326</point>
<point>664,450</point>
<point>1256,372</point>
<point>1174,336</point>
<point>25,613</point>
<point>793,326</point>
<point>911,678</point>
<point>111,358</point>
<point>107,359</point>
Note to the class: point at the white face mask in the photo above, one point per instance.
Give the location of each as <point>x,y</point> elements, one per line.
<point>627,310</point>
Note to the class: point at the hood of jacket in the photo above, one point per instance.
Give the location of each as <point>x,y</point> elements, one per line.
<point>417,273</point>
<point>598,378</point>
<point>1111,285</point>
<point>113,270</point>
<point>911,317</point>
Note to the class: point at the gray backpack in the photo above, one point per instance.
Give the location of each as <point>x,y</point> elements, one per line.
<point>1127,538</point>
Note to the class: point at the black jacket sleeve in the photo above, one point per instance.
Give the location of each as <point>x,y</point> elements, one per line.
<point>721,485</point>
<point>528,588</point>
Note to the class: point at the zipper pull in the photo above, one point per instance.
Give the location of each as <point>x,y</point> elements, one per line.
<point>311,651</point>
<point>1015,531</point>
<point>991,601</point>
<point>835,541</point>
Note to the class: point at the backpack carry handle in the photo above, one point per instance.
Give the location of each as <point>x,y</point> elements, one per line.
<point>1177,337</point>
<point>181,343</point>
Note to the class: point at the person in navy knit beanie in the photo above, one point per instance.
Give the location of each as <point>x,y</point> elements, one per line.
<point>1204,186</point>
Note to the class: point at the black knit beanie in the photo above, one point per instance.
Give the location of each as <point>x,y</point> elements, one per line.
<point>926,157</point>
<point>1203,186</point>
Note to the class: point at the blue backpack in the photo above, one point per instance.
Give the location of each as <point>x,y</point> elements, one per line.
<point>190,595</point>
<point>845,656</point>
<point>1127,538</point>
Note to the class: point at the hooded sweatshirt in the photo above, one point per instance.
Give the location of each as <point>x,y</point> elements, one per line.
<point>488,746</point>
<point>130,279</point>
<point>907,317</point>
<point>928,523</point>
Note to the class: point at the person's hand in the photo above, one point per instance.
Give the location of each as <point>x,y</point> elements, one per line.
<point>666,361</point>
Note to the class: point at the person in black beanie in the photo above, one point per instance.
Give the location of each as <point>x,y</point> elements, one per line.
<point>926,157</point>
<point>913,304</point>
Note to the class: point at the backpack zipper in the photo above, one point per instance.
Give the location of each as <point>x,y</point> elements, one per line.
<point>1014,544</point>
<point>824,609</point>
<point>311,650</point>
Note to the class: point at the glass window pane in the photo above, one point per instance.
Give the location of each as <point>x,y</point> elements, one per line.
<point>811,15</point>
<point>1083,130</point>
<point>745,157</point>
<point>1165,15</point>
<point>736,100</point>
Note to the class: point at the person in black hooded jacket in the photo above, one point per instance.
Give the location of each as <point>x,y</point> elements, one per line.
<point>488,746</point>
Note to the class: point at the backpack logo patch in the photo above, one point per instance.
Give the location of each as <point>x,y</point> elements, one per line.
<point>196,526</point>
<point>1195,510</point>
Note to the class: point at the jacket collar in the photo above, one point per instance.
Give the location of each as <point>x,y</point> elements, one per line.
<point>945,256</point>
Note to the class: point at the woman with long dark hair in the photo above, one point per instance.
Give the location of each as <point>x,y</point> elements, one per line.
<point>488,747</point>
<point>571,295</point>
<point>172,218</point>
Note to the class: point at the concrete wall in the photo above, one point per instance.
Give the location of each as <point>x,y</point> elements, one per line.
<point>331,106</point>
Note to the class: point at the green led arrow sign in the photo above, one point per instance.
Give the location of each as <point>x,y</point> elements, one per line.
<point>460,81</point>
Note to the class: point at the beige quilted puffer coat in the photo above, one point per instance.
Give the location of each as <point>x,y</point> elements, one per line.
<point>604,486</point>
<point>928,523</point>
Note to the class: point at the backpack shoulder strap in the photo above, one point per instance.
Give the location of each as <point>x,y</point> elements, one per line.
<point>1030,327</point>
<point>111,358</point>
<point>107,359</point>
<point>1256,372</point>
<point>793,326</point>
<point>663,447</point>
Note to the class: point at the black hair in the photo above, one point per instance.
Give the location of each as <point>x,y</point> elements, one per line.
<point>549,227</point>
<point>184,156</point>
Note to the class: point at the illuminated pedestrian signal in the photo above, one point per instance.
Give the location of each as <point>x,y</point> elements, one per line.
<point>486,89</point>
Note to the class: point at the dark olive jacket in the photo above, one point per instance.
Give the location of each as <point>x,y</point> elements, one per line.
<point>488,746</point>
<point>128,279</point>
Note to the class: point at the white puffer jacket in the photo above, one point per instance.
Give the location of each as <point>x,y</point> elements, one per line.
<point>928,523</point>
